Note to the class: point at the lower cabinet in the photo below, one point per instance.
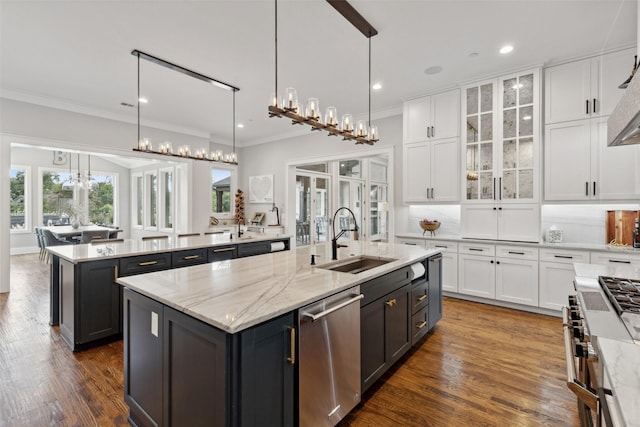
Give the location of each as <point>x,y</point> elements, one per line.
<point>476,270</point>
<point>449,263</point>
<point>181,371</point>
<point>221,253</point>
<point>434,267</point>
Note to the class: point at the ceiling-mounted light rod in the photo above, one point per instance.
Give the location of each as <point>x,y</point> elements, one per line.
<point>183,70</point>
<point>354,17</point>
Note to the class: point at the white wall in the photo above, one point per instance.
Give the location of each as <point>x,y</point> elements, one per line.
<point>5,164</point>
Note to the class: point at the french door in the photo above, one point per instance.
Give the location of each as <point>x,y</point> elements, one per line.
<point>351,195</point>
<point>312,208</point>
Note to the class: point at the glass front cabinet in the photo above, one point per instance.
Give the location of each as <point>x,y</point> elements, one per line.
<point>500,135</point>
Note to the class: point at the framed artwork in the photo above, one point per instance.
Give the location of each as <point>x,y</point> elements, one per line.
<point>261,189</point>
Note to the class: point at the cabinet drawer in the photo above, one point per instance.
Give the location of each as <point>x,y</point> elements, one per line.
<point>419,295</point>
<point>613,258</point>
<point>409,241</point>
<point>443,245</point>
<point>144,264</point>
<point>251,249</point>
<point>564,256</point>
<point>220,253</point>
<point>381,286</point>
<point>477,249</point>
<point>190,257</point>
<point>517,252</point>
<point>419,324</point>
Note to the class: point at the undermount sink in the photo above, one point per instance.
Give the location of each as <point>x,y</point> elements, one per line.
<point>356,264</point>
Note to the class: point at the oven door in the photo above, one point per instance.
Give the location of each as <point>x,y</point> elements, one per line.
<point>581,374</point>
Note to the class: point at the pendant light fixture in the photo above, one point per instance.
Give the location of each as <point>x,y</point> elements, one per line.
<point>310,114</point>
<point>184,151</point>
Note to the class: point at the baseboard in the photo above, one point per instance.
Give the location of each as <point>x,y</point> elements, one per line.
<point>24,250</point>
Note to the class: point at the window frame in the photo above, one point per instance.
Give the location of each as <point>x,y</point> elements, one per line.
<point>27,200</point>
<point>146,196</point>
<point>233,186</point>
<point>134,200</point>
<point>161,199</point>
<point>115,186</point>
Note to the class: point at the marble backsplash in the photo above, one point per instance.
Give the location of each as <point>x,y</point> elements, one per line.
<point>448,215</point>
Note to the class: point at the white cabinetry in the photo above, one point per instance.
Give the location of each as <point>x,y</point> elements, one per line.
<point>580,166</point>
<point>501,163</point>
<point>586,88</point>
<point>410,241</point>
<point>449,263</point>
<point>615,258</point>
<point>517,275</point>
<point>476,270</point>
<point>556,276</point>
<point>432,117</point>
<point>431,172</point>
<point>431,152</point>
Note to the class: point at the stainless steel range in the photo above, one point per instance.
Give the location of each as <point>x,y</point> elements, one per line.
<point>624,295</point>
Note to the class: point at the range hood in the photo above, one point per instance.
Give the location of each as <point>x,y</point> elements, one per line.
<point>623,126</point>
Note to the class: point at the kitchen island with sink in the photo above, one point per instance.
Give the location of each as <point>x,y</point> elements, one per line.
<point>219,344</point>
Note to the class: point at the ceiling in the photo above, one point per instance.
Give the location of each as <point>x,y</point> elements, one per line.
<point>77,55</point>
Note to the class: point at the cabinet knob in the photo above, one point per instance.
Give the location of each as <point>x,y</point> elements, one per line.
<point>391,302</point>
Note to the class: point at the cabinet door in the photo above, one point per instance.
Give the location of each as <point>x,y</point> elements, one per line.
<point>143,358</point>
<point>267,376</point>
<point>416,172</point>
<point>445,175</point>
<point>100,310</point>
<point>416,118</point>
<point>517,281</point>
<point>519,222</point>
<point>556,284</point>
<point>251,249</point>
<point>567,161</point>
<point>616,171</point>
<point>479,221</point>
<point>372,346</point>
<point>445,114</point>
<point>397,332</point>
<point>449,272</point>
<point>221,253</point>
<point>194,358</point>
<point>611,70</point>
<point>477,276</point>
<point>567,91</point>
<point>435,289</point>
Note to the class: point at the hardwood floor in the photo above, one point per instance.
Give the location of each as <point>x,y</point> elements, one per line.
<point>482,366</point>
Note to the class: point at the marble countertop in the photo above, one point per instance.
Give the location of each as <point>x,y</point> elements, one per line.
<point>541,245</point>
<point>622,368</point>
<point>236,294</point>
<point>133,247</point>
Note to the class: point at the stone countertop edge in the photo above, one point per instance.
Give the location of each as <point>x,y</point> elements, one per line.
<point>541,245</point>
<point>237,294</point>
<point>132,247</point>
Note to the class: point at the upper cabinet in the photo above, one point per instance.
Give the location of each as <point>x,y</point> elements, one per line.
<point>431,148</point>
<point>432,117</point>
<point>586,88</point>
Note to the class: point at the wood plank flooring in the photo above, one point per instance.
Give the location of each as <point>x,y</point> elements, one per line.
<point>482,366</point>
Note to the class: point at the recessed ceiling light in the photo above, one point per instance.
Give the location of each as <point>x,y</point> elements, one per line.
<point>240,125</point>
<point>433,70</point>
<point>143,100</point>
<point>473,54</point>
<point>506,49</point>
<point>376,86</point>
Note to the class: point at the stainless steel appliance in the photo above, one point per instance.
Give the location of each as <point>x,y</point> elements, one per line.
<point>329,362</point>
<point>607,307</point>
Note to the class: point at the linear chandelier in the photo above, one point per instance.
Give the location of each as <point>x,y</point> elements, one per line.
<point>184,151</point>
<point>290,107</point>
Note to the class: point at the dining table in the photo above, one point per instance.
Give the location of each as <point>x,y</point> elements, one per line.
<point>68,232</point>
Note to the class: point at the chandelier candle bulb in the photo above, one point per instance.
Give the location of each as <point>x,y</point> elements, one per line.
<point>373,133</point>
<point>347,123</point>
<point>313,108</point>
<point>292,98</point>
<point>361,128</point>
<point>330,116</point>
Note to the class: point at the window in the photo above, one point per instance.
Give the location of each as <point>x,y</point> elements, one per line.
<point>221,189</point>
<point>318,167</point>
<point>138,199</point>
<point>102,200</point>
<point>166,198</point>
<point>152,199</point>
<point>351,168</point>
<point>19,198</point>
<point>57,197</point>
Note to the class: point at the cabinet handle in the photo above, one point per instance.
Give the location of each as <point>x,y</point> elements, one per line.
<point>144,264</point>
<point>421,297</point>
<point>500,189</point>
<point>433,132</point>
<point>441,246</point>
<point>432,192</point>
<point>494,188</point>
<point>215,251</point>
<point>594,105</point>
<point>619,261</point>
<point>563,256</point>
<point>428,132</point>
<point>421,325</point>
<point>391,302</point>
<point>411,244</point>
<point>586,188</point>
<point>587,111</point>
<point>435,259</point>
<point>594,188</point>
<point>115,273</point>
<point>516,253</point>
<point>192,257</point>
<point>292,343</point>
<point>476,249</point>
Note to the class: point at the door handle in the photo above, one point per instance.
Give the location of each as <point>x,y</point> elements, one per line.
<point>292,343</point>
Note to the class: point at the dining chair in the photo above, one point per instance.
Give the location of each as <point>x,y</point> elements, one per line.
<point>88,235</point>
<point>40,240</point>
<point>154,237</point>
<point>188,234</point>
<point>97,241</point>
<point>50,240</point>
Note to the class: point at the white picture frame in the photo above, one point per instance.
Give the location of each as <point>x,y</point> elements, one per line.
<point>261,189</point>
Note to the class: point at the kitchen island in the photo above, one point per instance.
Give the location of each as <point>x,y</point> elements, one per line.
<point>216,344</point>
<point>87,303</point>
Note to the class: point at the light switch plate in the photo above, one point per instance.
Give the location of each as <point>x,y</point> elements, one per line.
<point>154,323</point>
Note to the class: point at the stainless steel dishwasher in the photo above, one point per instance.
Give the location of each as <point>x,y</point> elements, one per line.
<point>329,361</point>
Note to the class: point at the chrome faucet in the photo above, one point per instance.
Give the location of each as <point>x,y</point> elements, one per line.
<point>275,208</point>
<point>334,242</point>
